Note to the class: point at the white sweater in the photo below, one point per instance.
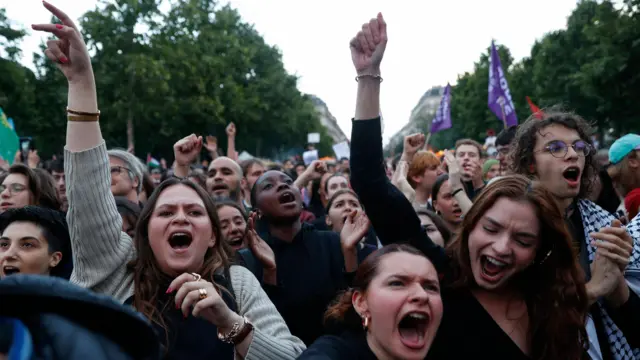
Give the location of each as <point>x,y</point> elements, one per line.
<point>101,252</point>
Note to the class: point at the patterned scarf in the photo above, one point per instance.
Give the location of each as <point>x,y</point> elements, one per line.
<point>595,218</point>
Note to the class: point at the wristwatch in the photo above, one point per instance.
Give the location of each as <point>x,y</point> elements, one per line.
<point>238,333</point>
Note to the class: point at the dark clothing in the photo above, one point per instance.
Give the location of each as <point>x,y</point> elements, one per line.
<point>348,346</point>
<point>65,321</point>
<point>310,273</point>
<point>470,190</point>
<point>391,214</point>
<point>608,198</point>
<point>468,331</point>
<point>192,337</point>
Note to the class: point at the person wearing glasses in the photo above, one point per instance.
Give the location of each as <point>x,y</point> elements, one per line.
<point>126,175</point>
<point>556,151</point>
<point>503,145</point>
<point>22,186</point>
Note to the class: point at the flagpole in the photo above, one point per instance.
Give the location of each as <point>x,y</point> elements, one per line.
<point>426,142</point>
<point>504,117</point>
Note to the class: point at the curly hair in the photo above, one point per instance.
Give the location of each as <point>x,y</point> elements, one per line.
<point>553,286</point>
<point>522,148</point>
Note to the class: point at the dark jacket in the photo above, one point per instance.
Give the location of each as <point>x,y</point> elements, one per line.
<point>64,321</point>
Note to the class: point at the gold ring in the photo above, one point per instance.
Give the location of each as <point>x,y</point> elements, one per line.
<point>203,293</point>
<point>196,276</point>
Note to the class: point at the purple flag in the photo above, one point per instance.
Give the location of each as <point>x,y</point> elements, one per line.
<point>442,121</point>
<point>499,95</point>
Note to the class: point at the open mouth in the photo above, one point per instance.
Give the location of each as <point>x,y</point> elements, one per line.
<point>413,328</point>
<point>572,174</point>
<point>219,187</point>
<point>10,270</point>
<point>180,240</point>
<point>492,268</point>
<point>236,242</point>
<point>286,197</point>
<point>457,212</point>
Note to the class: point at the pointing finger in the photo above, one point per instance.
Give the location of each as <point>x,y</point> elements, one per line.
<point>60,15</point>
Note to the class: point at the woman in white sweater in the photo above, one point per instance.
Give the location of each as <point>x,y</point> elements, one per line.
<point>177,272</point>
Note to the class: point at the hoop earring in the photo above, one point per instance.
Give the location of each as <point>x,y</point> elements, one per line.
<point>365,322</point>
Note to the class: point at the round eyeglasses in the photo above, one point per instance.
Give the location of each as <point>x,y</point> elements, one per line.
<point>560,149</point>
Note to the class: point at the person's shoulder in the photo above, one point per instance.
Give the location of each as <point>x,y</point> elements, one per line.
<point>346,346</point>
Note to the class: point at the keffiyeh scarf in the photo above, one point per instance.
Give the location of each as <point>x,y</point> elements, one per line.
<point>595,218</point>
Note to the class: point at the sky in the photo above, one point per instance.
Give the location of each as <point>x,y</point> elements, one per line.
<point>430,42</point>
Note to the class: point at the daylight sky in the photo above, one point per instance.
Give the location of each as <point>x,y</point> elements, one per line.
<point>430,42</point>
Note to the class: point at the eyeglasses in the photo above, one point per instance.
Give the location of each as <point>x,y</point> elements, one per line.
<point>13,188</point>
<point>559,149</point>
<point>503,150</point>
<point>118,169</point>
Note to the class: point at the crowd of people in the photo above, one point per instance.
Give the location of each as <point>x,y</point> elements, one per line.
<point>531,252</point>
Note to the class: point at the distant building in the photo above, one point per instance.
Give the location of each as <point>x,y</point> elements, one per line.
<point>422,113</point>
<point>328,120</point>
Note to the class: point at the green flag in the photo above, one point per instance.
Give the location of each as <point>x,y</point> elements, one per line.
<point>9,141</point>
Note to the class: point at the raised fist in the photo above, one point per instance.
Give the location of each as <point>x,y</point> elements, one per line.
<point>186,150</point>
<point>367,47</point>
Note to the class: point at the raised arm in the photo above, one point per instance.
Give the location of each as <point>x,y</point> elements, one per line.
<point>100,250</point>
<point>391,214</point>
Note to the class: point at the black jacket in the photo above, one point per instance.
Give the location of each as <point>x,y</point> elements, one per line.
<point>68,322</point>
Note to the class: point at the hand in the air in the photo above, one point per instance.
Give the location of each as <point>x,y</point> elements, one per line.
<point>231,130</point>
<point>211,144</point>
<point>614,243</point>
<point>316,169</point>
<point>69,52</point>
<point>413,143</point>
<point>186,150</point>
<point>367,47</point>
<point>355,228</point>
<point>260,249</point>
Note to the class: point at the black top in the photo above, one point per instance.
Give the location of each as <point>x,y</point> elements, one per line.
<point>468,331</point>
<point>310,275</point>
<point>391,214</point>
<point>191,337</point>
<point>348,346</point>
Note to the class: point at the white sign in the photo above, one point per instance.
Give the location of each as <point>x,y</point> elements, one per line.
<point>313,138</point>
<point>310,156</point>
<point>342,150</point>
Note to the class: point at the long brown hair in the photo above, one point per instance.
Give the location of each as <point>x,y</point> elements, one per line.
<point>147,274</point>
<point>553,286</point>
<point>341,313</point>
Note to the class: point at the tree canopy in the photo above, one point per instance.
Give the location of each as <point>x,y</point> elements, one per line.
<point>162,76</point>
<point>592,68</point>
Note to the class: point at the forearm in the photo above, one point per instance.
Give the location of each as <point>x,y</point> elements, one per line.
<point>368,98</point>
<point>231,148</point>
<point>83,135</point>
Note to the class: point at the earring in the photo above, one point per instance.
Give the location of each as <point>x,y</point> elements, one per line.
<point>532,169</point>
<point>365,322</point>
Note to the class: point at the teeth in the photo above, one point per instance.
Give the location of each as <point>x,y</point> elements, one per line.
<point>180,234</point>
<point>418,316</point>
<point>496,262</point>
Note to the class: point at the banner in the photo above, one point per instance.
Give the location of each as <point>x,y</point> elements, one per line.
<point>499,95</point>
<point>9,141</point>
<point>442,121</point>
